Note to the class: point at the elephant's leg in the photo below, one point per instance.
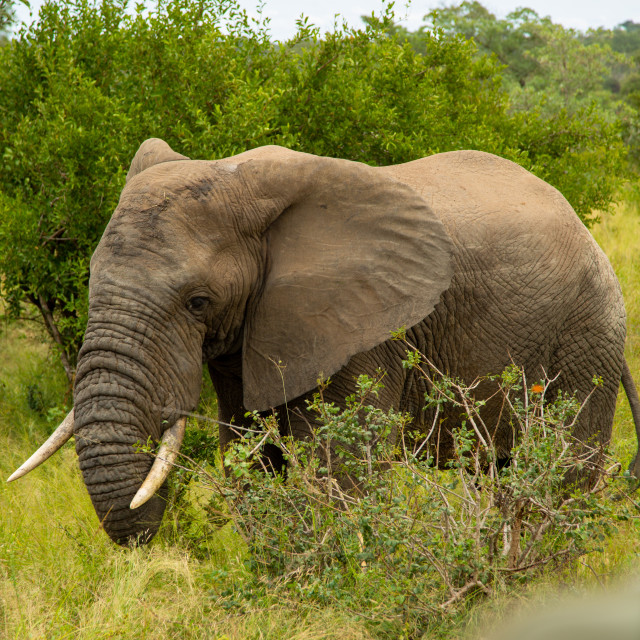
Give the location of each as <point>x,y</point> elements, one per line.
<point>227,381</point>
<point>303,424</point>
<point>591,368</point>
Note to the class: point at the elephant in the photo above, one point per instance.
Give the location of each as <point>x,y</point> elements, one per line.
<point>277,268</point>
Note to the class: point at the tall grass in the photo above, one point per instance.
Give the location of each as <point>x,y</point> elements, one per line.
<point>619,237</point>
<point>61,577</point>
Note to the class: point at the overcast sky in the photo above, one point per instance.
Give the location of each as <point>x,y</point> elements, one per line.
<point>579,14</point>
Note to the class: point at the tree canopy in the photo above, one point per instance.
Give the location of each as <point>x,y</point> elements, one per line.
<point>7,18</point>
<point>552,68</point>
<point>89,81</point>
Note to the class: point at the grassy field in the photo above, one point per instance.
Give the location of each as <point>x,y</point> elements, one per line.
<point>61,577</point>
<point>618,236</point>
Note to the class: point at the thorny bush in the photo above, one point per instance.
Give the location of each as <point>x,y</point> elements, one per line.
<point>410,542</point>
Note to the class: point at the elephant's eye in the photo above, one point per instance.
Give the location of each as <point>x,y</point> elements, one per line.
<point>197,303</point>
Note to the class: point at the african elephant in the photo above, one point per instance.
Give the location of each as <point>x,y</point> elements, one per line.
<point>275,267</point>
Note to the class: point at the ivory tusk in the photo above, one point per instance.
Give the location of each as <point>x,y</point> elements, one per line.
<point>53,443</point>
<point>165,459</point>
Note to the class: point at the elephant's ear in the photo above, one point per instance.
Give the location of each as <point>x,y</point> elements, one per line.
<point>353,257</point>
<point>152,151</point>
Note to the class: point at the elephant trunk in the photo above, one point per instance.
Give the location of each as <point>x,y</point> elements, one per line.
<point>113,472</point>
<point>119,407</point>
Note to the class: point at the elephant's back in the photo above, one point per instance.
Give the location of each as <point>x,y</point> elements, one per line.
<point>482,190</point>
<point>527,272</point>
<point>504,221</point>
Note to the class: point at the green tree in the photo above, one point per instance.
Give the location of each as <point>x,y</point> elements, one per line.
<point>555,74</point>
<point>625,38</point>
<point>624,77</point>
<point>88,82</point>
<point>7,18</point>
<point>511,40</point>
<point>539,55</point>
<point>565,122</point>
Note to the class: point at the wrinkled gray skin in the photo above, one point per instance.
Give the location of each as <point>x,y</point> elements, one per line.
<point>275,255</point>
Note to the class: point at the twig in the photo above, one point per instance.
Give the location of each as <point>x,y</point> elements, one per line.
<point>55,334</point>
<point>476,584</point>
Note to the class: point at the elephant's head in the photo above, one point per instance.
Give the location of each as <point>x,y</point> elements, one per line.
<point>296,262</point>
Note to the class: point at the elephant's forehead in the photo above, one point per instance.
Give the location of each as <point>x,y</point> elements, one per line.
<point>171,208</point>
<point>182,183</point>
<point>190,192</point>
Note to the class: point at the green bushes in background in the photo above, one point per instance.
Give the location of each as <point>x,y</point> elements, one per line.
<point>88,82</point>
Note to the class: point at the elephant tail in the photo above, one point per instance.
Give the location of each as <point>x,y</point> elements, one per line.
<point>634,402</point>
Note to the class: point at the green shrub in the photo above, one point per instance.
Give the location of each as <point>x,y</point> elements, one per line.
<point>407,543</point>
<point>89,81</point>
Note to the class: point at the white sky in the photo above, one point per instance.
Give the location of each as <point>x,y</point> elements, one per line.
<point>579,14</point>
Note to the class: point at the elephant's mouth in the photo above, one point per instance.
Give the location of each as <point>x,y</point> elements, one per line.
<point>170,444</point>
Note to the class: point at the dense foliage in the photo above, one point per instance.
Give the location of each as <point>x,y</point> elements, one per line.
<point>88,82</point>
<point>409,545</point>
<point>623,78</point>
<point>7,16</point>
<point>593,77</point>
